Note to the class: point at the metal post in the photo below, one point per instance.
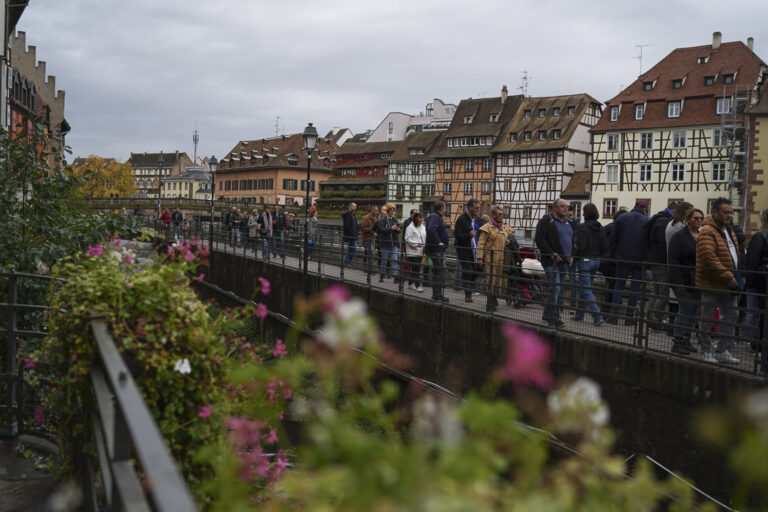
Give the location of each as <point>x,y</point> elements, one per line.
<point>212,163</point>
<point>306,227</point>
<point>12,426</point>
<point>641,325</point>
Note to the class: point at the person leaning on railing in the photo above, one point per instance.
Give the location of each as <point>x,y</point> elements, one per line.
<point>554,239</point>
<point>717,258</point>
<point>437,241</point>
<point>630,249</point>
<point>253,229</point>
<point>681,259</point>
<point>368,228</point>
<point>494,237</point>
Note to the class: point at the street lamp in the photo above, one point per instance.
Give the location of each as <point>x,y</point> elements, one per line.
<point>310,138</point>
<point>159,185</point>
<point>213,164</point>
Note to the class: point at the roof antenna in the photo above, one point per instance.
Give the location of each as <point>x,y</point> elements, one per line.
<point>524,83</point>
<point>277,126</point>
<point>640,57</point>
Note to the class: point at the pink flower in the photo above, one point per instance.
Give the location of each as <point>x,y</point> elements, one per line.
<point>29,362</point>
<point>528,357</point>
<point>265,286</point>
<point>261,311</point>
<point>128,259</point>
<point>334,296</point>
<point>128,284</point>
<point>116,241</point>
<point>279,349</point>
<point>170,250</point>
<point>201,277</point>
<point>73,358</point>
<point>205,411</point>
<point>272,438</point>
<point>96,251</point>
<point>282,462</point>
<point>38,414</point>
<point>188,255</point>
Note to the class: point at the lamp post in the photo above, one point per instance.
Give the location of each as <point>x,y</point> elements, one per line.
<point>159,186</point>
<point>213,164</point>
<point>310,138</point>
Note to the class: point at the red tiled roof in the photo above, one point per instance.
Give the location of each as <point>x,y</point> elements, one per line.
<point>698,99</point>
<point>278,151</point>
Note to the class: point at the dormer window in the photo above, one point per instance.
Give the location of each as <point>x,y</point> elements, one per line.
<point>556,134</point>
<point>673,109</point>
<point>702,60</point>
<point>728,79</point>
<point>571,111</point>
<point>513,137</point>
<point>614,114</point>
<point>326,162</point>
<point>494,118</point>
<point>677,84</point>
<point>556,111</point>
<point>709,81</point>
<point>467,119</point>
<point>293,160</point>
<point>647,86</point>
<point>527,114</point>
<point>542,112</point>
<point>639,111</point>
<point>415,151</point>
<point>542,134</point>
<point>265,159</point>
<point>528,136</point>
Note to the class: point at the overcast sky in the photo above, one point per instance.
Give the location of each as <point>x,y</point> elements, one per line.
<point>141,75</point>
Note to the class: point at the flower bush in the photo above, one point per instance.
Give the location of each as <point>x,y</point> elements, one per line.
<point>179,353</point>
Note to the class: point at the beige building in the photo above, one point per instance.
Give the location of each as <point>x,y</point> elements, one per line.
<point>193,183</point>
<point>757,163</point>
<point>149,168</point>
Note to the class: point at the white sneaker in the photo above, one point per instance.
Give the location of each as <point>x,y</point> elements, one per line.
<point>708,357</point>
<point>420,289</point>
<point>726,357</point>
<point>412,286</point>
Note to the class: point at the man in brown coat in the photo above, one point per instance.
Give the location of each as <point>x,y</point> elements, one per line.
<point>717,257</point>
<point>493,238</point>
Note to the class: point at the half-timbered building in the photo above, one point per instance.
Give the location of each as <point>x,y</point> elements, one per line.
<point>274,170</point>
<point>676,133</point>
<point>546,142</point>
<point>463,163</point>
<point>411,175</point>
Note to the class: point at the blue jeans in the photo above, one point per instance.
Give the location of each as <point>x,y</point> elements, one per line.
<point>687,313</point>
<point>277,242</point>
<point>573,283</point>
<point>587,270</point>
<point>624,271</point>
<point>350,251</point>
<point>265,246</point>
<point>388,254</point>
<point>555,276</point>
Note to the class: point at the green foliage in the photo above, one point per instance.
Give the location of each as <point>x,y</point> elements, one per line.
<point>179,354</point>
<point>42,216</point>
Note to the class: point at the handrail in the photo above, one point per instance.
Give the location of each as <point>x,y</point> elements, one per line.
<point>127,428</point>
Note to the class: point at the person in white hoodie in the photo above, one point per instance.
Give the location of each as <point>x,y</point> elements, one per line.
<point>415,238</point>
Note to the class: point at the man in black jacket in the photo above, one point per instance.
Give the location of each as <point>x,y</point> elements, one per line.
<point>278,230</point>
<point>657,257</point>
<point>554,239</point>
<point>349,232</point>
<point>465,232</point>
<point>437,241</point>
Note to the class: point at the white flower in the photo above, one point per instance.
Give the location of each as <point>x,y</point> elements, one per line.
<point>436,420</point>
<point>349,325</point>
<point>42,268</point>
<point>182,366</point>
<point>580,401</point>
<point>117,255</point>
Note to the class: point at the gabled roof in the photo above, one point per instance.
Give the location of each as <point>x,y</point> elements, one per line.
<point>733,58</point>
<point>579,185</point>
<point>151,159</point>
<point>285,151</point>
<point>347,152</point>
<point>426,140</point>
<point>761,107</point>
<point>480,111</point>
<point>565,123</point>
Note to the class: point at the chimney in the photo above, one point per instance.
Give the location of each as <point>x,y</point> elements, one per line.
<point>503,94</point>
<point>717,38</point>
<point>751,43</point>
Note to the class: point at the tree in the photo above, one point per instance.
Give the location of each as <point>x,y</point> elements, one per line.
<point>105,177</point>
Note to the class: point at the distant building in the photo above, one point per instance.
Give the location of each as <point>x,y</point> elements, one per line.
<point>364,159</point>
<point>436,116</point>
<point>9,17</point>
<point>463,163</point>
<point>411,174</point>
<point>193,183</point>
<point>149,168</point>
<point>545,144</point>
<point>33,93</point>
<point>677,132</point>
<point>274,170</point>
<point>339,135</point>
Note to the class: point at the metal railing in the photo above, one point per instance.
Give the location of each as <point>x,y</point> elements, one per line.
<point>123,428</point>
<point>526,294</point>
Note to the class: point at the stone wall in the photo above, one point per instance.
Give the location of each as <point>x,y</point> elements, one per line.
<point>652,396</point>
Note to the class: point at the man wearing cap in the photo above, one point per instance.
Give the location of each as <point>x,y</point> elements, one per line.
<point>630,247</point>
